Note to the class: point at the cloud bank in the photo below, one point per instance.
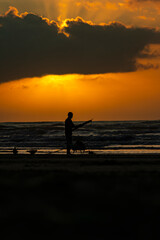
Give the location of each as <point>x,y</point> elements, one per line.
<point>32,46</point>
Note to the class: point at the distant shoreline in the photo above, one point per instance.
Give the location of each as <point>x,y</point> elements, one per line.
<point>52,121</point>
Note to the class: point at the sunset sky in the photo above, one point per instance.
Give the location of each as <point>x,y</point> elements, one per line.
<point>98,59</point>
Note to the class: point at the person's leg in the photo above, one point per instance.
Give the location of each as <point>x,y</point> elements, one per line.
<point>68,149</point>
<point>69,145</point>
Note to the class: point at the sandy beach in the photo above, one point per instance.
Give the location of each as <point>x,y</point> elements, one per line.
<point>83,196</point>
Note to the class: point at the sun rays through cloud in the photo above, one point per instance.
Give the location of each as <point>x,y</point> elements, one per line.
<point>101,57</point>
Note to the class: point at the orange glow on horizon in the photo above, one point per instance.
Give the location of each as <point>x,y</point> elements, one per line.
<point>129,96</point>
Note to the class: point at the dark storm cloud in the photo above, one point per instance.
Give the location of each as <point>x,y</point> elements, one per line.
<point>33,47</point>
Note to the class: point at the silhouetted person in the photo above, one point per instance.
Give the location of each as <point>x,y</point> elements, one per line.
<point>69,126</point>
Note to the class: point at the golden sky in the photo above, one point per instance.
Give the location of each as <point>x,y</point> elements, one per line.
<point>114,95</point>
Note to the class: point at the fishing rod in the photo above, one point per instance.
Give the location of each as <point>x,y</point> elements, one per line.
<point>81,125</point>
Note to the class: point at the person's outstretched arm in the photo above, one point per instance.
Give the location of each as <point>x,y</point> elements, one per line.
<point>81,125</point>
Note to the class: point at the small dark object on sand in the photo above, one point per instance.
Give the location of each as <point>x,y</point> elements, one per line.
<point>32,151</point>
<point>91,153</point>
<point>15,151</point>
<point>79,146</point>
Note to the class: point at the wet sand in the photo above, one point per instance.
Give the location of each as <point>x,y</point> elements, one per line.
<point>80,197</point>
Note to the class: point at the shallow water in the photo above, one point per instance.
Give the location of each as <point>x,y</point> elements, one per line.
<point>98,137</point>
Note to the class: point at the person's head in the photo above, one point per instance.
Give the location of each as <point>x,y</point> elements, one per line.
<point>70,115</point>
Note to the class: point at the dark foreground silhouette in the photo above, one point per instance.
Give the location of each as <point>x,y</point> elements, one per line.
<point>84,197</point>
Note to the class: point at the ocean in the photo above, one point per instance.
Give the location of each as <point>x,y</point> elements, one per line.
<point>98,137</point>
